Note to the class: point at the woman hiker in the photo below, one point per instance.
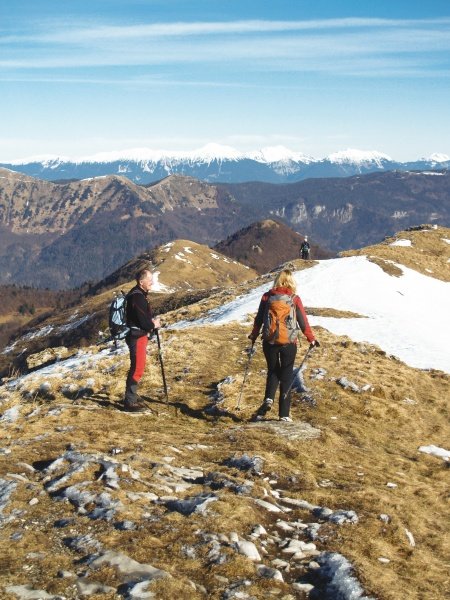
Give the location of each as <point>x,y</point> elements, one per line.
<point>280,314</point>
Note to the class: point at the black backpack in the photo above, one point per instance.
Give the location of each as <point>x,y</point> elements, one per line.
<point>118,317</point>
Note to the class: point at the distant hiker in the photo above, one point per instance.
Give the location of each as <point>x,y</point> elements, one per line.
<point>281,315</point>
<point>305,249</point>
<point>141,322</point>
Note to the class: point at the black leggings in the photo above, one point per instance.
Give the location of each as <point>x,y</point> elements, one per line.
<point>280,366</point>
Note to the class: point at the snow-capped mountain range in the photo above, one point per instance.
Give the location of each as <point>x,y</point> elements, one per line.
<point>217,163</point>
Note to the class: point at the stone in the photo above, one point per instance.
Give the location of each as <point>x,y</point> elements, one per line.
<point>128,567</point>
<point>299,503</point>
<point>410,537</point>
<point>65,574</point>
<point>285,526</point>
<point>296,431</point>
<point>269,573</point>
<point>343,516</point>
<point>348,385</point>
<point>384,560</point>
<point>258,531</point>
<point>280,564</point>
<point>195,504</point>
<point>306,588</point>
<point>139,591</point>
<point>47,356</point>
<point>248,549</point>
<point>267,505</point>
<point>245,463</point>
<point>89,588</point>
<point>11,415</point>
<point>125,526</point>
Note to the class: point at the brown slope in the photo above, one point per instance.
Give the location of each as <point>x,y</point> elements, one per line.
<point>185,272</point>
<point>182,265</point>
<point>267,244</point>
<point>80,231</point>
<point>21,305</point>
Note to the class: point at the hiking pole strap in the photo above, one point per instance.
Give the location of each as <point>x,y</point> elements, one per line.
<point>162,365</point>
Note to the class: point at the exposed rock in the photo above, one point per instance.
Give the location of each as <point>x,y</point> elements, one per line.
<point>348,385</point>
<point>195,504</point>
<point>246,463</point>
<point>11,415</point>
<point>248,549</point>
<point>26,592</point>
<point>47,356</point>
<point>269,573</point>
<point>291,431</point>
<point>268,505</point>
<point>128,567</point>
<point>89,588</point>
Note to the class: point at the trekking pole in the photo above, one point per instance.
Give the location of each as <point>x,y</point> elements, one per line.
<point>252,351</point>
<point>162,366</point>
<point>297,370</point>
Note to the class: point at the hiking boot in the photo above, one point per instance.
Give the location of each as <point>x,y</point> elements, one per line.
<point>286,419</point>
<point>266,406</point>
<point>135,407</point>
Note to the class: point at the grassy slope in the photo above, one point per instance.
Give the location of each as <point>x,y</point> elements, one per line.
<point>367,440</point>
<point>374,440</point>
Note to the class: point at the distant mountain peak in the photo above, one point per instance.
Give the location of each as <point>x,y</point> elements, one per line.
<point>276,154</point>
<point>352,155</point>
<point>438,157</point>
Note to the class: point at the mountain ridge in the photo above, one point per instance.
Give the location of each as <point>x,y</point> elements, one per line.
<point>61,235</point>
<point>214,163</point>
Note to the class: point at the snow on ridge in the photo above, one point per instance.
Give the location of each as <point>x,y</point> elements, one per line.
<point>389,304</point>
<point>277,154</point>
<point>47,160</point>
<point>438,157</point>
<point>352,155</point>
<point>208,153</point>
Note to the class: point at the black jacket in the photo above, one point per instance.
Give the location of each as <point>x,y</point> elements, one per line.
<point>139,312</point>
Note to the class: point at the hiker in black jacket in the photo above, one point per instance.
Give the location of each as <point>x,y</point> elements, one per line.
<point>142,323</point>
<point>305,249</point>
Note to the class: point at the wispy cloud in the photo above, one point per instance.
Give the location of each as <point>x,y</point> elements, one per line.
<point>335,46</point>
<point>97,33</point>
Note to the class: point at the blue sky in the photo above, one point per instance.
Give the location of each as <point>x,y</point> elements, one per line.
<point>79,77</point>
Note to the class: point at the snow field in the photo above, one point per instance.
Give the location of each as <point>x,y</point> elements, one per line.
<point>406,316</point>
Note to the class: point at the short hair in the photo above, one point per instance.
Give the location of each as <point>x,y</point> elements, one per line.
<point>285,279</point>
<point>141,274</point>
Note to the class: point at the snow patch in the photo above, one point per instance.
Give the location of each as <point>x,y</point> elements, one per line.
<point>436,451</point>
<point>403,243</point>
<point>391,305</point>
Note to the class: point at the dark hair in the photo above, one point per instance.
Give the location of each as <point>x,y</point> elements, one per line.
<point>140,275</point>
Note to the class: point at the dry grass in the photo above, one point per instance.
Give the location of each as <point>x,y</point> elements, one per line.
<point>367,440</point>
<point>429,253</point>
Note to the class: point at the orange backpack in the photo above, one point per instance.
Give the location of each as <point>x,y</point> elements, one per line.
<point>280,321</point>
